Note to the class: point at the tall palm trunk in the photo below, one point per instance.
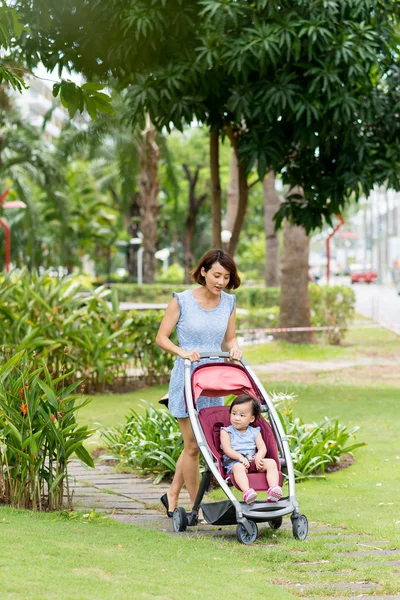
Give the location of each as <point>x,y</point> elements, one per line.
<point>147,198</point>
<point>294,301</point>
<point>271,207</point>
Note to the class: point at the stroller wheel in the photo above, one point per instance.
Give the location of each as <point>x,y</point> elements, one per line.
<point>179,519</point>
<point>275,523</point>
<point>243,536</point>
<point>299,526</point>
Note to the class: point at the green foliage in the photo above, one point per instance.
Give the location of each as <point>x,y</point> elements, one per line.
<point>258,318</point>
<point>87,334</point>
<point>88,96</point>
<point>332,306</point>
<point>38,432</point>
<point>174,275</point>
<point>156,293</point>
<point>10,27</point>
<point>150,443</point>
<point>257,297</point>
<point>314,446</point>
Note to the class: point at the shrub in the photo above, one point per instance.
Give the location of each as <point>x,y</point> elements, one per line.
<point>247,297</point>
<point>258,318</point>
<point>174,275</point>
<point>314,446</point>
<point>38,433</point>
<point>331,306</point>
<point>151,443</point>
<point>47,315</point>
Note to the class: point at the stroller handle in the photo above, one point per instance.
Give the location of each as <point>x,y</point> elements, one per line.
<point>212,355</point>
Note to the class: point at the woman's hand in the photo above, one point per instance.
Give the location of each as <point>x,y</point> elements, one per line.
<point>192,355</point>
<point>235,354</point>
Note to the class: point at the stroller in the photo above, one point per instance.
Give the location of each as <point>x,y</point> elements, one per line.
<point>215,379</point>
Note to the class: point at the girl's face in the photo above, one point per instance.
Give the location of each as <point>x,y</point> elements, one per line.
<point>242,416</point>
<point>217,278</point>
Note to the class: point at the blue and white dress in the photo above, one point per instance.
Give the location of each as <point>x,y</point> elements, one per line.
<point>244,443</point>
<point>202,329</point>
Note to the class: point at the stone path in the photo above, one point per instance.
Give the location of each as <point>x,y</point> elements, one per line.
<point>300,366</point>
<point>135,500</point>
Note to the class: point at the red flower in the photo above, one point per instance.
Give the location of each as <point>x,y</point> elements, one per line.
<point>23,408</point>
<point>54,418</point>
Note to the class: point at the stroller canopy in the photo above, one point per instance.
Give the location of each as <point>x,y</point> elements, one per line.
<point>221,379</point>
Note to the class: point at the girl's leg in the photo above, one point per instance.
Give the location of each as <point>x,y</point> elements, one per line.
<point>271,472</point>
<point>240,475</point>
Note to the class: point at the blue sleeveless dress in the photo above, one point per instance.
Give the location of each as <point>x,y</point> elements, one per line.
<point>202,329</point>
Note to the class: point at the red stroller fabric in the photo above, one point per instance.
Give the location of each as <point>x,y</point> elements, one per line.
<point>211,421</point>
<point>221,379</point>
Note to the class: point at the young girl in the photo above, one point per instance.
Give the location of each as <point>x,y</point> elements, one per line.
<point>244,449</point>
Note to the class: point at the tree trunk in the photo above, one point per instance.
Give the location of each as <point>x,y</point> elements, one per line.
<point>216,204</point>
<point>232,194</point>
<point>271,207</point>
<point>243,195</point>
<point>190,222</point>
<point>147,199</point>
<point>294,301</point>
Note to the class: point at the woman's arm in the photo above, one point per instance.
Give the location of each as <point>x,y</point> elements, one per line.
<point>170,319</point>
<point>230,341</point>
<point>229,451</point>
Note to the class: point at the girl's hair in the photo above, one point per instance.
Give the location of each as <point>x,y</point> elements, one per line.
<point>225,260</point>
<point>242,399</point>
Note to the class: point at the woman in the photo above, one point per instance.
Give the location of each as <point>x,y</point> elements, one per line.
<point>204,319</point>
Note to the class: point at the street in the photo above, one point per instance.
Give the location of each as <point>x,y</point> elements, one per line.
<point>380,303</point>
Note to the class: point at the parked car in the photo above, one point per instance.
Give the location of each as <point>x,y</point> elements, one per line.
<point>361,274</point>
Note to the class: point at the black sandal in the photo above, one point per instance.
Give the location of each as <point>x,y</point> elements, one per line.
<point>165,503</point>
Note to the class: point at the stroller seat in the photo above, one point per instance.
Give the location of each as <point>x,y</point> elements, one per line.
<point>211,421</point>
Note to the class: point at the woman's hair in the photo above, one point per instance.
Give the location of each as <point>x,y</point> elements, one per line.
<point>225,260</point>
<point>242,399</point>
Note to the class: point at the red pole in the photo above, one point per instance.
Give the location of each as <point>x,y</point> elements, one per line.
<point>8,244</point>
<point>328,248</point>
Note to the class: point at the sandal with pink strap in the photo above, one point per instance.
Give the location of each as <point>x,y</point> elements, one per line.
<point>274,494</point>
<point>249,496</point>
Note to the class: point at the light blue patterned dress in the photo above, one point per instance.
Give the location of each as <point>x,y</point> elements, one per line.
<point>202,329</point>
<point>244,443</point>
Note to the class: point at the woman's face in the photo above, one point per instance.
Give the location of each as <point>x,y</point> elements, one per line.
<point>217,278</point>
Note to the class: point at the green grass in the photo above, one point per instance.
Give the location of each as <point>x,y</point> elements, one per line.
<point>104,559</point>
<point>111,410</point>
<point>357,343</point>
<point>46,557</point>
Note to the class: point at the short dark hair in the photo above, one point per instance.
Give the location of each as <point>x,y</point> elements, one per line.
<point>242,399</point>
<point>225,260</point>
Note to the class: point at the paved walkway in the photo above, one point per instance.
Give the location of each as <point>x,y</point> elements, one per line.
<point>135,500</point>
<point>300,366</point>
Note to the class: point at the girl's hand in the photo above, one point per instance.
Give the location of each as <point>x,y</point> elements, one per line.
<point>245,462</point>
<point>192,355</point>
<point>235,354</point>
<point>258,460</point>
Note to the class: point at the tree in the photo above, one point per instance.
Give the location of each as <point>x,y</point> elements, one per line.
<point>194,204</point>
<point>310,91</point>
<point>271,207</point>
